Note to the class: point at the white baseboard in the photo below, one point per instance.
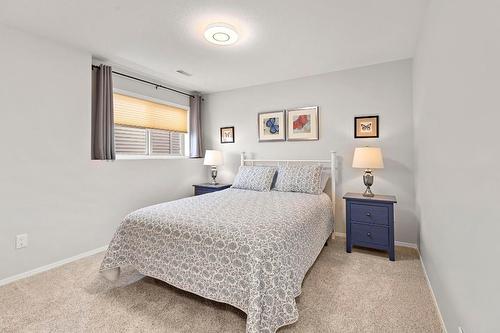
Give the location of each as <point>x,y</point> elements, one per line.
<point>51,266</point>
<point>432,293</point>
<point>406,244</point>
<point>340,234</point>
<point>398,243</point>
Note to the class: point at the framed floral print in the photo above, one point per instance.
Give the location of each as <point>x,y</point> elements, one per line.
<point>271,126</point>
<point>227,134</point>
<point>366,127</point>
<point>303,124</point>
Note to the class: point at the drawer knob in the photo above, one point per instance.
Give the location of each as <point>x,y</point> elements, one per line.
<point>369,234</point>
<point>368,214</point>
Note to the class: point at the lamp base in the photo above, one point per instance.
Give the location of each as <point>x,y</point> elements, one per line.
<point>214,176</point>
<point>368,181</point>
<point>368,193</point>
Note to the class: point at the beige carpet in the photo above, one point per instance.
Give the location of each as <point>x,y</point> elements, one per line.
<point>358,292</point>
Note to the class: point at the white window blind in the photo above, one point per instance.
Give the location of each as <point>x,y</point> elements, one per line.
<point>131,140</point>
<point>142,141</point>
<point>166,143</point>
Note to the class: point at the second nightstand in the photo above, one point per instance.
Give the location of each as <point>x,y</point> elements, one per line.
<point>370,222</point>
<point>209,188</point>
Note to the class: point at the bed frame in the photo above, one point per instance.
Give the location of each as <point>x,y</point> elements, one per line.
<point>327,164</point>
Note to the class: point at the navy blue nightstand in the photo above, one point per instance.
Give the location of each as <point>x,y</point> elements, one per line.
<point>209,188</point>
<point>370,222</point>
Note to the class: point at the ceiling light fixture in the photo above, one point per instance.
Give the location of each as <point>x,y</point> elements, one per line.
<point>221,34</point>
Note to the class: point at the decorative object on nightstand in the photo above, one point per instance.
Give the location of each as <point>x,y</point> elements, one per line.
<point>370,222</point>
<point>209,188</point>
<point>368,158</point>
<point>213,158</point>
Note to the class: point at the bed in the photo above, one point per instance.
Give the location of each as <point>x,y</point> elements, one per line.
<point>245,248</point>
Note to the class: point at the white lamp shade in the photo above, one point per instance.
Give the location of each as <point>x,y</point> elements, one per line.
<point>213,157</point>
<point>368,158</point>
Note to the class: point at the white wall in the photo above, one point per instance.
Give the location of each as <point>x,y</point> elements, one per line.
<point>457,117</point>
<point>142,89</point>
<point>384,89</point>
<point>50,188</point>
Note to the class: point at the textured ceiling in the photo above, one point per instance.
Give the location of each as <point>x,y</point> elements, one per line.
<point>279,39</point>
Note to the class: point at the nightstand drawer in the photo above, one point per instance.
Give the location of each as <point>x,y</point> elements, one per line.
<point>209,188</point>
<point>371,234</point>
<point>369,214</point>
<point>199,191</point>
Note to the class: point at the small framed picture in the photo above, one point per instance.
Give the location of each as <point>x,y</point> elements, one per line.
<point>366,127</point>
<point>227,134</point>
<point>303,124</point>
<point>271,126</point>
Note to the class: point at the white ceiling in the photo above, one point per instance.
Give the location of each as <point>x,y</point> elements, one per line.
<point>279,39</point>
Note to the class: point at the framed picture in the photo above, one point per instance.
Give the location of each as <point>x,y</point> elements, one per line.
<point>366,127</point>
<point>303,124</point>
<point>227,134</point>
<point>271,126</point>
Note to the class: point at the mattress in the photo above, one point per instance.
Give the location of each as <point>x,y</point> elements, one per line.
<point>245,248</point>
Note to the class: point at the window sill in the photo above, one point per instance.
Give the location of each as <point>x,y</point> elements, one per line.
<point>150,157</point>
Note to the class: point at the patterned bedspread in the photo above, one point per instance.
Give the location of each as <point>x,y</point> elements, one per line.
<point>245,248</point>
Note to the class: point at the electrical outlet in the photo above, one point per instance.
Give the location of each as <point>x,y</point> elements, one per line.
<point>460,330</point>
<point>21,241</point>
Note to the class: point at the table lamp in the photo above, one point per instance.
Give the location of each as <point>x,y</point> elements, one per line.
<point>368,158</point>
<point>213,158</point>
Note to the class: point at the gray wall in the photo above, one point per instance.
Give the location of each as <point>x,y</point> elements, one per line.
<point>457,117</point>
<point>50,188</point>
<point>384,89</point>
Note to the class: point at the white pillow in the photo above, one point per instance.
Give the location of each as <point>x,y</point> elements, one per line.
<point>325,175</point>
<point>255,178</point>
<point>299,178</point>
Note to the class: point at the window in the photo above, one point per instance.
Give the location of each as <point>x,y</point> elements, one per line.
<point>149,129</point>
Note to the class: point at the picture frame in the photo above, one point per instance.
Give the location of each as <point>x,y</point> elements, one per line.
<point>271,126</point>
<point>303,124</point>
<point>227,134</point>
<point>366,127</point>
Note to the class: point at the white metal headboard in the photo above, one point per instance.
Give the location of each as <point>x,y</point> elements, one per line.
<point>329,164</point>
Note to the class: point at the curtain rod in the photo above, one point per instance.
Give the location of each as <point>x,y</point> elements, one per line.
<point>148,82</point>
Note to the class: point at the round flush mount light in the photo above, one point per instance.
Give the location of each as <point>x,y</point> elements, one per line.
<point>221,34</point>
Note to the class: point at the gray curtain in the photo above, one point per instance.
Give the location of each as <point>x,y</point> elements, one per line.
<point>103,139</point>
<point>195,141</point>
